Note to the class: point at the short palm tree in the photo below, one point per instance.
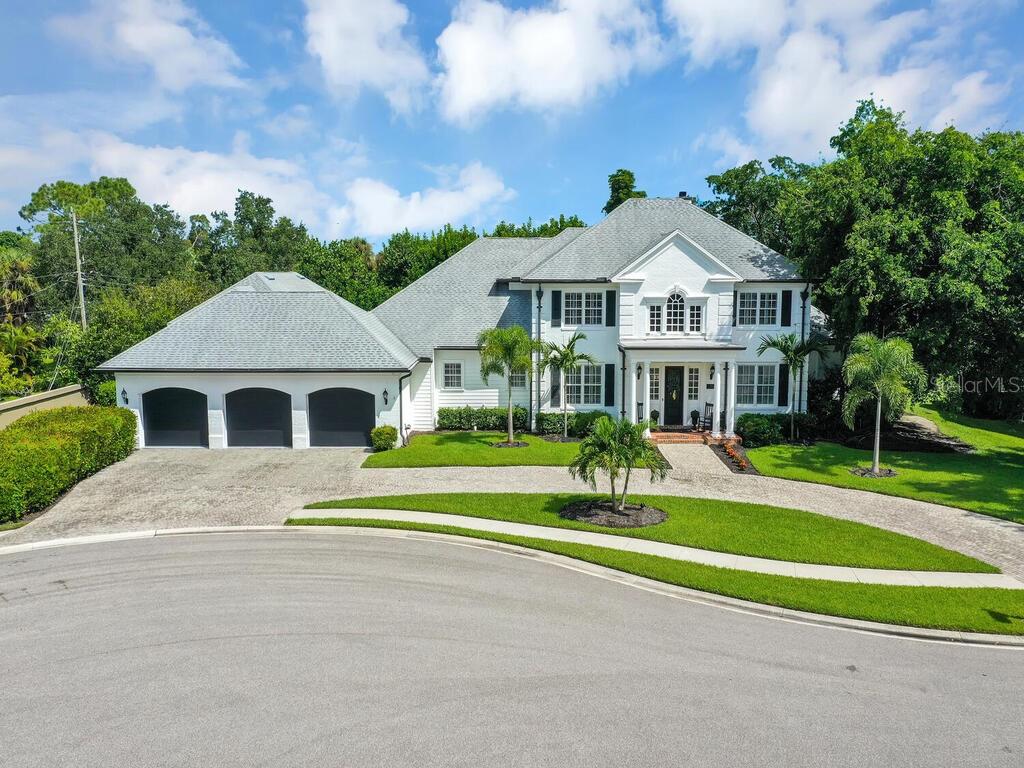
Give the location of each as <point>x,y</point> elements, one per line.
<point>794,353</point>
<point>883,370</point>
<point>617,447</point>
<point>503,352</point>
<point>565,358</point>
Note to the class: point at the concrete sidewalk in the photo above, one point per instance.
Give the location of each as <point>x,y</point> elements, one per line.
<point>679,552</point>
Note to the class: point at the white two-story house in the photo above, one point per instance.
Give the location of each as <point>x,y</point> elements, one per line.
<point>673,303</point>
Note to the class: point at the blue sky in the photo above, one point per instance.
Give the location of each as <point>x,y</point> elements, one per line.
<point>363,117</point>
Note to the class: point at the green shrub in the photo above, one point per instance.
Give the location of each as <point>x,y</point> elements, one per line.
<point>491,419</point>
<point>105,393</point>
<point>383,438</point>
<point>759,429</point>
<point>581,423</point>
<point>45,453</point>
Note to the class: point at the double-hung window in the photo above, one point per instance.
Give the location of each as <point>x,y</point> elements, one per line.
<point>655,389</point>
<point>593,309</point>
<point>695,321</point>
<point>768,313</point>
<point>654,318</point>
<point>675,314</point>
<point>453,375</point>
<point>748,309</point>
<point>517,379</point>
<point>572,308</point>
<point>583,386</point>
<point>583,308</point>
<point>755,384</point>
<point>758,308</point>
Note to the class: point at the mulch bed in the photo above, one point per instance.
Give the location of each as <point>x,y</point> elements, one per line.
<point>516,444</point>
<point>602,513</point>
<point>866,472</point>
<point>732,464</point>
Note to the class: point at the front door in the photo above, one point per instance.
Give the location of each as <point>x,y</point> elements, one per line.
<point>675,397</point>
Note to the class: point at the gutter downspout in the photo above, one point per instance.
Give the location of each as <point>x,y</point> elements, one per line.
<point>804,295</point>
<point>401,418</point>
<point>540,307</point>
<point>622,412</point>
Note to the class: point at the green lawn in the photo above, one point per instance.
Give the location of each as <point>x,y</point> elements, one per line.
<point>998,611</point>
<point>988,481</point>
<point>723,526</point>
<point>12,526</point>
<point>473,449</point>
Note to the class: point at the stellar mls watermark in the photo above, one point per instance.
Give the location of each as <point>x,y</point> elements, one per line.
<point>1002,385</point>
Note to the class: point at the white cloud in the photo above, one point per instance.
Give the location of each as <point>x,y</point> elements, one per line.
<point>732,150</point>
<point>373,208</point>
<point>973,97</point>
<point>716,31</point>
<point>365,45</point>
<point>166,36</point>
<point>294,122</point>
<point>548,58</point>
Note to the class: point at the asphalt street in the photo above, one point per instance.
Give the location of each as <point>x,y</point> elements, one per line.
<point>298,649</point>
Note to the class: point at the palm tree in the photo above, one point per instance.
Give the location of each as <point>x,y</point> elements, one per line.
<point>503,352</point>
<point>883,370</point>
<point>565,359</point>
<point>17,285</point>
<point>794,353</point>
<point>617,447</point>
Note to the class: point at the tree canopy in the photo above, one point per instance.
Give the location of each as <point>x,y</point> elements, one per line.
<point>621,187</point>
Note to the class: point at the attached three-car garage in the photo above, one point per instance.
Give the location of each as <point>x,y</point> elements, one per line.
<point>340,416</point>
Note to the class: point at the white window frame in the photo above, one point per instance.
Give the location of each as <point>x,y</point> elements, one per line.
<point>675,313</point>
<point>655,389</point>
<point>452,371</point>
<point>693,384</point>
<point>593,308</point>
<point>757,384</point>
<point>655,318</point>
<point>753,308</point>
<point>697,309</point>
<point>585,386</point>
<point>572,308</point>
<point>517,379</point>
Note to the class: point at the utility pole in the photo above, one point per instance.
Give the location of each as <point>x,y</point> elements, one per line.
<point>78,270</point>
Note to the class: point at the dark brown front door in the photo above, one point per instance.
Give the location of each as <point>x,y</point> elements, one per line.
<point>675,401</point>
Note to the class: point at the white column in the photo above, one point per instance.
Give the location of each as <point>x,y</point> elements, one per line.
<point>730,402</point>
<point>630,389</point>
<point>716,424</point>
<point>646,395</point>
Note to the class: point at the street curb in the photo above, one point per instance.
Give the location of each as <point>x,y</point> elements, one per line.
<point>980,640</point>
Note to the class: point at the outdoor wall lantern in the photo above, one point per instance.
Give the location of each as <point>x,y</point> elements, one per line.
<point>124,396</point>
<point>385,396</point>
<point>712,370</point>
<point>639,371</point>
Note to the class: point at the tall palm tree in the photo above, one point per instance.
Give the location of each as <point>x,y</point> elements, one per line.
<point>17,285</point>
<point>883,370</point>
<point>616,447</point>
<point>794,353</point>
<point>503,352</point>
<point>565,358</point>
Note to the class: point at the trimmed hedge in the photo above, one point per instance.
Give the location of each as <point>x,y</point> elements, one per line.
<point>491,419</point>
<point>758,429</point>
<point>45,453</point>
<point>383,438</point>
<point>581,423</point>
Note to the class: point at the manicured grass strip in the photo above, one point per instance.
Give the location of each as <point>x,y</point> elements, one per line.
<point>987,481</point>
<point>473,449</point>
<point>997,611</point>
<point>757,530</point>
<point>12,526</point>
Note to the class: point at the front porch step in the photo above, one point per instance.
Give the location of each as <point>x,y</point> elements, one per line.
<point>689,438</point>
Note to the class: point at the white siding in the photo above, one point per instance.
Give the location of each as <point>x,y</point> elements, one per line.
<point>474,391</point>
<point>421,408</point>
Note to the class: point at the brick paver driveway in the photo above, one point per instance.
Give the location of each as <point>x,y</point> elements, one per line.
<point>174,488</point>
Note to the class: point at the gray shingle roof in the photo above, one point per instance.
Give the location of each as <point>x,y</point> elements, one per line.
<point>451,304</point>
<point>604,249</point>
<point>271,321</point>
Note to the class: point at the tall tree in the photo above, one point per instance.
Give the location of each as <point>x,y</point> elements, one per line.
<point>565,358</point>
<point>18,285</point>
<point>795,354</point>
<point>347,268</point>
<point>505,352</point>
<point>550,228</point>
<point>621,187</point>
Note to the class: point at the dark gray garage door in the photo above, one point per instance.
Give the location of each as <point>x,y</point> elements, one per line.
<point>259,417</point>
<point>340,416</point>
<point>174,416</point>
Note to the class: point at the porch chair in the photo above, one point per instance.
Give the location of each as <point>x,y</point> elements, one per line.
<point>708,420</point>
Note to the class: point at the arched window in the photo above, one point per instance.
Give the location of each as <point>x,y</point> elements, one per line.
<point>675,315</point>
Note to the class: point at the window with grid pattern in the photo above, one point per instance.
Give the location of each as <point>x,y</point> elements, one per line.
<point>695,323</point>
<point>517,379</point>
<point>655,389</point>
<point>675,311</point>
<point>654,318</point>
<point>592,385</point>
<point>768,313</point>
<point>748,309</point>
<point>593,308</point>
<point>693,384</point>
<point>745,384</point>
<point>766,385</point>
<point>572,309</point>
<point>453,375</point>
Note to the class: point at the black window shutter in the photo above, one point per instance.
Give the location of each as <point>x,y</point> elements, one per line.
<point>783,384</point>
<point>787,308</point>
<point>556,309</point>
<point>735,298</point>
<point>609,382</point>
<point>556,388</point>
<point>609,309</point>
